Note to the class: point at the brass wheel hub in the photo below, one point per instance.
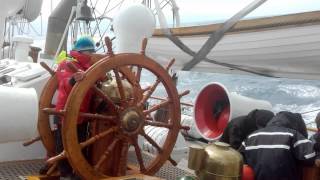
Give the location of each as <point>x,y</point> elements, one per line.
<point>131,120</point>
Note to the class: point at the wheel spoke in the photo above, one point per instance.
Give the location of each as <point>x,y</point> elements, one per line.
<point>105,98</point>
<point>97,116</point>
<point>149,93</point>
<point>106,154</point>
<point>31,141</point>
<point>57,158</point>
<point>138,74</point>
<point>131,68</point>
<point>164,103</point>
<point>170,64</point>
<point>146,89</point>
<point>186,92</point>
<point>120,86</point>
<point>154,86</point>
<point>97,137</point>
<point>123,159</point>
<point>149,118</point>
<point>139,155</point>
<point>84,144</point>
<point>52,169</point>
<point>132,169</point>
<point>182,103</point>
<point>158,124</point>
<point>156,107</point>
<point>46,67</point>
<point>53,111</point>
<point>152,142</point>
<point>131,101</point>
<point>144,46</point>
<point>108,43</point>
<point>159,149</point>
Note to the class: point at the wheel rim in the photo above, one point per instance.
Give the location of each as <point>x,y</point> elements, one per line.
<point>44,128</point>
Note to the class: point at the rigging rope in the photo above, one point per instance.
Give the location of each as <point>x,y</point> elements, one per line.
<point>105,9</point>
<point>95,17</point>
<point>307,112</point>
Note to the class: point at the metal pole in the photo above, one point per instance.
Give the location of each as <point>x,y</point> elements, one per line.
<point>73,10</point>
<point>51,7</point>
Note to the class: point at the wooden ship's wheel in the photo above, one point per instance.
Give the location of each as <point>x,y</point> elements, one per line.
<point>114,130</point>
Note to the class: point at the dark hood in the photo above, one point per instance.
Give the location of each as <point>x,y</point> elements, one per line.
<point>261,117</point>
<point>289,120</point>
<point>317,120</point>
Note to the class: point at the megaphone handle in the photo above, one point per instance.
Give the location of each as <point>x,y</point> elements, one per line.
<point>108,43</point>
<point>46,67</point>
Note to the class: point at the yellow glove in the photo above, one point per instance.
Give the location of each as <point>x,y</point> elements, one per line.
<point>62,57</point>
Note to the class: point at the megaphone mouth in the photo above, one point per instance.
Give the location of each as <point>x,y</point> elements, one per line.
<point>212,111</point>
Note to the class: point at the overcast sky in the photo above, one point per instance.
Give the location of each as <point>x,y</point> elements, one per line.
<point>216,10</point>
<point>212,10</point>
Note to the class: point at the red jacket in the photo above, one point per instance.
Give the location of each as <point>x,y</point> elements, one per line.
<point>64,75</point>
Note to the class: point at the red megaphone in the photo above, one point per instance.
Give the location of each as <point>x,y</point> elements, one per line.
<point>215,106</point>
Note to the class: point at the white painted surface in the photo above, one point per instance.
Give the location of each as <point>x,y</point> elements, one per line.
<point>18,114</point>
<point>131,25</point>
<point>22,44</point>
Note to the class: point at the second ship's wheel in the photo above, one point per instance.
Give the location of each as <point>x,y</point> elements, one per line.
<point>46,101</point>
<point>47,108</point>
<point>126,118</point>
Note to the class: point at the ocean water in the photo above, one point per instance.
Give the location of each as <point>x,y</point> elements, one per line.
<point>293,95</point>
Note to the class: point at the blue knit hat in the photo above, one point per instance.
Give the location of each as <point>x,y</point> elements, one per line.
<point>84,43</point>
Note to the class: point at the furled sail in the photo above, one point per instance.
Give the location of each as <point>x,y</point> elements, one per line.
<point>32,9</point>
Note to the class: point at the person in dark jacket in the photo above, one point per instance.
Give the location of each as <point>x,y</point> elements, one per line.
<point>316,138</point>
<point>239,128</point>
<point>275,151</point>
